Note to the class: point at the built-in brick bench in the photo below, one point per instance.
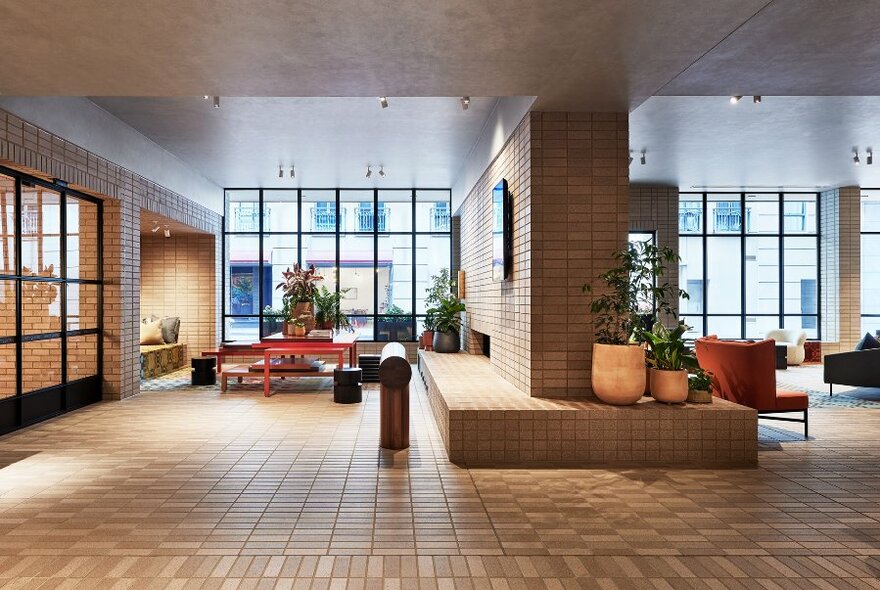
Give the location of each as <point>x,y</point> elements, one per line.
<point>484,420</point>
<point>161,359</point>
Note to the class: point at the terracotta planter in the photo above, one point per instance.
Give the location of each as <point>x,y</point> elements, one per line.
<point>699,396</point>
<point>618,373</point>
<point>428,339</point>
<point>305,308</point>
<point>647,381</point>
<point>299,331</point>
<point>288,329</point>
<point>669,387</point>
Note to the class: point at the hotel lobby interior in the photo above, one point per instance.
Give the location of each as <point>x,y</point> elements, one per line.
<point>502,295</point>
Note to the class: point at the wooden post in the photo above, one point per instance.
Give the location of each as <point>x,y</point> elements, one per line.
<point>395,374</point>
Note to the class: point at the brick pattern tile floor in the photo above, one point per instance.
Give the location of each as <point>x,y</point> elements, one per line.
<point>186,488</point>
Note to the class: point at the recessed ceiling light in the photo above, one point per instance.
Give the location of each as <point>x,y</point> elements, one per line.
<point>735,99</point>
<point>383,100</point>
<point>465,102</point>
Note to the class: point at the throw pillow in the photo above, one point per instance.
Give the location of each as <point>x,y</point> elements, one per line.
<point>868,342</point>
<point>170,329</point>
<point>149,318</point>
<point>151,333</point>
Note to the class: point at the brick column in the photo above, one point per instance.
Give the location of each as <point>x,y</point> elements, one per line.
<point>840,267</point>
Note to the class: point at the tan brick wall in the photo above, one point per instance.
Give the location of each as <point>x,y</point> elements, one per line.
<point>177,279</point>
<point>840,267</point>
<point>36,151</point>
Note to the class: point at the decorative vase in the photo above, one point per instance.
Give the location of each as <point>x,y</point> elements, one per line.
<point>618,373</point>
<point>289,329</point>
<point>428,340</point>
<point>669,387</point>
<point>299,331</point>
<point>699,396</point>
<point>305,308</point>
<point>446,342</point>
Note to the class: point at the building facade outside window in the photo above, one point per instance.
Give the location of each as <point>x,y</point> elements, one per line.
<point>379,246</point>
<point>870,260</point>
<point>749,263</point>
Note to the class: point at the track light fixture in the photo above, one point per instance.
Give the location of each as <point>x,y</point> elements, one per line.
<point>465,102</point>
<point>756,99</point>
<point>630,156</point>
<point>643,160</point>
<point>369,170</point>
<point>383,100</point>
<point>280,171</point>
<point>167,232</point>
<point>382,171</point>
<point>870,159</point>
<point>216,102</point>
<point>856,157</point>
<point>156,227</point>
<point>735,99</point>
<point>206,97</point>
<point>292,171</point>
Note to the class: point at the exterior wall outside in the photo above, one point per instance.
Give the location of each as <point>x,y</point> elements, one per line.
<point>655,209</point>
<point>177,279</point>
<point>840,267</point>
<point>36,151</point>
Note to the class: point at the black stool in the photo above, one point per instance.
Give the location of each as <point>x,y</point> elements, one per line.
<point>204,371</point>
<point>347,386</point>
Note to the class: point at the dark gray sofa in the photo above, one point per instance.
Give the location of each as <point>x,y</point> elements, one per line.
<point>860,368</point>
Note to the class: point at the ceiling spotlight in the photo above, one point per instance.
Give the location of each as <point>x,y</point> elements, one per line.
<point>156,227</point>
<point>465,102</point>
<point>630,156</point>
<point>856,157</point>
<point>382,171</point>
<point>870,159</point>
<point>216,102</point>
<point>735,99</point>
<point>756,99</point>
<point>643,160</point>
<point>280,172</point>
<point>383,100</point>
<point>167,232</point>
<point>369,171</point>
<point>206,97</point>
<point>293,171</point>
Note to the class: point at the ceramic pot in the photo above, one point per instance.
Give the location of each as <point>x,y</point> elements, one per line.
<point>446,342</point>
<point>618,373</point>
<point>305,308</point>
<point>428,340</point>
<point>647,381</point>
<point>699,396</point>
<point>669,387</point>
<point>299,331</point>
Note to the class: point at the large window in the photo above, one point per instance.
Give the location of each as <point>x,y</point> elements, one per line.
<point>749,263</point>
<point>870,273</point>
<point>50,300</point>
<point>380,246</point>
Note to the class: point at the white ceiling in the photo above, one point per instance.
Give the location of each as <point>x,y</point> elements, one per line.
<point>422,142</point>
<point>782,142</point>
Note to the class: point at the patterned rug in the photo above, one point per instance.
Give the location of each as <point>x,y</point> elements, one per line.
<point>182,380</point>
<point>857,397</point>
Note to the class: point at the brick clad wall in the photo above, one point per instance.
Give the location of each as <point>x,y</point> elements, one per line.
<point>177,279</point>
<point>840,266</point>
<point>655,208</point>
<point>580,203</point>
<point>501,310</point>
<point>36,151</point>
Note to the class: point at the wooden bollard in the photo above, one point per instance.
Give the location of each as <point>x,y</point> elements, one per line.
<point>395,374</point>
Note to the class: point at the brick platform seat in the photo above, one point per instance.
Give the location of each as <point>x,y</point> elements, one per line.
<point>161,359</point>
<point>484,420</point>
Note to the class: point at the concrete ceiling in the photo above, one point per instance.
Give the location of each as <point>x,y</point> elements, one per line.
<point>794,142</point>
<point>422,142</point>
<point>572,54</point>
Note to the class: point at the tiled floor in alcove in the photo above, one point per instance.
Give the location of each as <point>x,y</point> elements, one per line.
<point>192,489</point>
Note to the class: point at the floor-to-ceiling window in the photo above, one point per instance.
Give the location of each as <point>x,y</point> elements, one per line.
<point>749,263</point>
<point>379,246</point>
<point>870,260</point>
<point>50,300</point>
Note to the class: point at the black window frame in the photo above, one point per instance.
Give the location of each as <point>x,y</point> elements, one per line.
<point>862,234</point>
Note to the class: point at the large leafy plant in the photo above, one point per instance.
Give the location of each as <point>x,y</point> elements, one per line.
<point>447,314</point>
<point>440,289</point>
<point>328,307</point>
<point>634,293</point>
<point>301,284</point>
<point>669,352</point>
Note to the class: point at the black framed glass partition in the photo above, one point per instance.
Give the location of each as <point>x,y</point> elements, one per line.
<point>870,260</point>
<point>50,299</point>
<point>750,263</point>
<point>380,246</point>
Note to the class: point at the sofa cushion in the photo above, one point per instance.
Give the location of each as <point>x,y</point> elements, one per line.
<point>868,342</point>
<point>791,400</point>
<point>151,333</point>
<point>170,329</point>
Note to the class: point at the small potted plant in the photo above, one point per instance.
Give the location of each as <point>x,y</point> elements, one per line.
<point>671,359</point>
<point>328,309</point>
<point>300,287</point>
<point>428,334</point>
<point>299,327</point>
<point>700,387</point>
<point>441,287</point>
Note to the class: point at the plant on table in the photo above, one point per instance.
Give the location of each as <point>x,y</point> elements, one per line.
<point>671,358</point>
<point>299,287</point>
<point>328,309</point>
<point>632,295</point>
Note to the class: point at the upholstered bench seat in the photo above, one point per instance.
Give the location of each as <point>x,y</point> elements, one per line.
<point>161,359</point>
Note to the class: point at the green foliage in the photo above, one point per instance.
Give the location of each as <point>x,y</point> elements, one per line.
<point>441,288</point>
<point>700,380</point>
<point>447,314</point>
<point>633,291</point>
<point>300,284</point>
<point>669,352</point>
<point>328,307</point>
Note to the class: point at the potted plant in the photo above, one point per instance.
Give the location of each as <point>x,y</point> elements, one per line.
<point>441,286</point>
<point>447,323</point>
<point>428,335</point>
<point>300,287</point>
<point>700,387</point>
<point>631,291</point>
<point>671,359</point>
<point>299,327</point>
<point>328,309</point>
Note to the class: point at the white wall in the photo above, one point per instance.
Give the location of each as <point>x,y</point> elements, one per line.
<point>82,122</point>
<point>502,121</point>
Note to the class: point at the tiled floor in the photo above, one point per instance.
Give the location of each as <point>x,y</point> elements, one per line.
<point>190,489</point>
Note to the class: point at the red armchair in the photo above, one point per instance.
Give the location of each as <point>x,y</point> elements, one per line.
<point>745,373</point>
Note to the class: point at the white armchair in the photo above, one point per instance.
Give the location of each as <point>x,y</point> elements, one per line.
<point>794,342</point>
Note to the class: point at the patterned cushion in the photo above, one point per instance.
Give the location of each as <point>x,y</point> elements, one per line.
<point>161,359</point>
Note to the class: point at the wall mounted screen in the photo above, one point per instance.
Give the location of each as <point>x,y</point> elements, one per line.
<point>502,232</point>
